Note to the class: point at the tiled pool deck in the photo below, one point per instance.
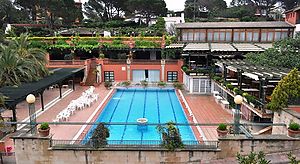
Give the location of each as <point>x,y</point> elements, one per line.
<point>204,109</point>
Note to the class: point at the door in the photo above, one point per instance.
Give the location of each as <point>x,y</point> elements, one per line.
<point>138,75</point>
<point>154,75</point>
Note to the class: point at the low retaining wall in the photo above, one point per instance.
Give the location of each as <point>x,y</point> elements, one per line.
<point>38,150</point>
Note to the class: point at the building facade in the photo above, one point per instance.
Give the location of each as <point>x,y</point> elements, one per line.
<point>228,32</point>
<point>293,17</point>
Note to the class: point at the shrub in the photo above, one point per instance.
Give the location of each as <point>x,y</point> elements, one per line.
<point>170,136</point>
<point>237,91</point>
<point>245,94</point>
<point>294,126</point>
<point>178,85</point>
<point>126,83</point>
<point>144,83</point>
<point>252,158</point>
<point>100,135</point>
<point>161,84</point>
<point>184,68</point>
<point>222,127</point>
<point>44,126</point>
<point>107,84</point>
<point>101,56</point>
<point>229,86</point>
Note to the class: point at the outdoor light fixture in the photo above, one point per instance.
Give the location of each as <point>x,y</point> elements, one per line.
<point>30,99</point>
<point>32,118</point>
<point>238,100</point>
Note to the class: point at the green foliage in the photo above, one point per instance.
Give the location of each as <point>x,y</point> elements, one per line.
<point>159,28</point>
<point>100,135</point>
<point>2,100</point>
<point>245,94</point>
<point>178,85</point>
<point>126,83</point>
<point>237,91</point>
<point>20,63</point>
<point>292,158</point>
<point>229,86</point>
<point>253,158</point>
<point>38,44</point>
<point>222,127</point>
<point>285,54</point>
<point>44,126</point>
<point>144,83</point>
<point>139,43</point>
<point>107,84</point>
<point>170,136</point>
<point>161,84</point>
<point>287,88</point>
<point>294,126</point>
<point>101,56</point>
<point>217,78</point>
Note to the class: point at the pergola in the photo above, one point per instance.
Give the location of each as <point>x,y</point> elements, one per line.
<point>264,75</point>
<point>17,94</point>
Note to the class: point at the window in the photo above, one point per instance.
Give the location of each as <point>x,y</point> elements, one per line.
<point>190,36</point>
<point>172,76</point>
<point>184,36</point>
<point>109,76</point>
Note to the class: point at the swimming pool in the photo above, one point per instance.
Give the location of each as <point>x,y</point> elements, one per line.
<point>155,104</point>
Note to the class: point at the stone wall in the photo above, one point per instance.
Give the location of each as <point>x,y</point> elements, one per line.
<point>38,150</point>
<point>285,116</point>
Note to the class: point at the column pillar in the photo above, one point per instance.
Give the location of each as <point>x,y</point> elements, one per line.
<point>163,64</point>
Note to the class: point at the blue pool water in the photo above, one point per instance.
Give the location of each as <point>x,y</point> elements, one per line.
<point>157,105</point>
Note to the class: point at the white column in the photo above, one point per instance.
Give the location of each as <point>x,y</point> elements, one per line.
<point>163,63</point>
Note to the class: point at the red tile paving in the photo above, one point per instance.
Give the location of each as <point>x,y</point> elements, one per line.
<point>206,110</point>
<point>67,132</point>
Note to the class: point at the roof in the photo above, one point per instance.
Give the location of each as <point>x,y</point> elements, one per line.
<point>221,47</point>
<point>175,46</point>
<point>197,47</point>
<point>293,10</point>
<point>270,24</point>
<point>253,71</point>
<point>247,47</point>
<point>18,94</point>
<point>264,45</point>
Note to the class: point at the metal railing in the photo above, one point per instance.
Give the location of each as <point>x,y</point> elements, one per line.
<point>66,62</point>
<point>149,144</point>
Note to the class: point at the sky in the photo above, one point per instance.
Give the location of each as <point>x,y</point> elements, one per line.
<point>175,5</point>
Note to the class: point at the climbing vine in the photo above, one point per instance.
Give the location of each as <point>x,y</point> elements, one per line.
<point>287,89</point>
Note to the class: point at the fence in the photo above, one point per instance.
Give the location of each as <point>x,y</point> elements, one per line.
<point>149,144</point>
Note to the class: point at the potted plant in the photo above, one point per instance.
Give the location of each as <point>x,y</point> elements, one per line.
<point>126,83</point>
<point>245,95</point>
<point>294,130</point>
<point>144,83</point>
<point>107,84</point>
<point>222,130</point>
<point>44,129</point>
<point>161,84</point>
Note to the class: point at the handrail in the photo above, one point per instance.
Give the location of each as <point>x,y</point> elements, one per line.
<point>193,144</point>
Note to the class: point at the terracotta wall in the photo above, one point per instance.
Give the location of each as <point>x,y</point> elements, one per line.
<point>292,17</point>
<point>120,69</point>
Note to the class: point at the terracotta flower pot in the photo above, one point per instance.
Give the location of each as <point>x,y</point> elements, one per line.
<point>222,133</point>
<point>44,133</point>
<point>293,133</point>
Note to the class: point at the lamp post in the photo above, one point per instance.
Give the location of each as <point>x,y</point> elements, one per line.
<point>238,100</point>
<point>30,100</point>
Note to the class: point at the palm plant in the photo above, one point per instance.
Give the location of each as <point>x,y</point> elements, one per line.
<point>13,69</point>
<point>36,55</point>
<point>19,63</point>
